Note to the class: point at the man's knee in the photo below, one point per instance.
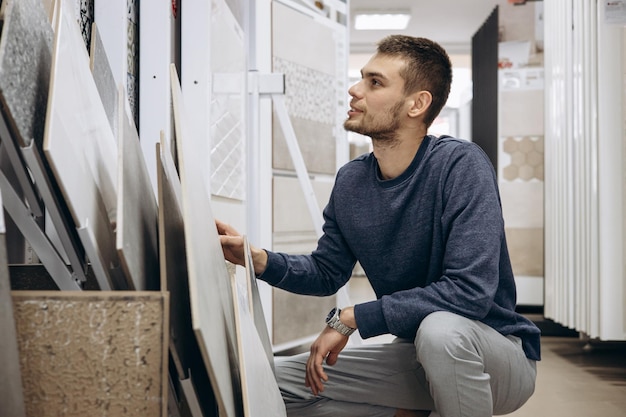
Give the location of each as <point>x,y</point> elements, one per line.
<point>441,333</point>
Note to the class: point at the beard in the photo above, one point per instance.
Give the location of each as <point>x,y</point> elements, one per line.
<point>382,127</point>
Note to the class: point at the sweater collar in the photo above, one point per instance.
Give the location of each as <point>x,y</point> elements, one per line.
<point>410,169</point>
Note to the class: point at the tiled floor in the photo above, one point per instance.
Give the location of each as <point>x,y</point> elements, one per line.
<point>574,378</point>
<point>575,381</point>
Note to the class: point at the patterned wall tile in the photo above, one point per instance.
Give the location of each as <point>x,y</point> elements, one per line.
<point>309,94</point>
<point>310,97</point>
<point>227,114</point>
<point>524,158</point>
<point>132,53</point>
<point>84,12</point>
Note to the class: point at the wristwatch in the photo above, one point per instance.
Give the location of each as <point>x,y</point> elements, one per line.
<point>332,320</point>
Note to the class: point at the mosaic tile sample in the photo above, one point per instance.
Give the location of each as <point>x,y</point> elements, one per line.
<point>84,12</point>
<point>132,57</point>
<point>310,90</point>
<point>93,353</point>
<point>227,117</point>
<point>525,158</point>
<point>25,60</point>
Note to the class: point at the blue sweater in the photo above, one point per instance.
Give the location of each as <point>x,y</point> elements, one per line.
<point>429,240</point>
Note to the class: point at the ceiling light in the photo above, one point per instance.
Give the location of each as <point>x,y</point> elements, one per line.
<point>381,20</point>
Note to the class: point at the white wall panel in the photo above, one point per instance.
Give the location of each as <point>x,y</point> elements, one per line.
<point>585,273</point>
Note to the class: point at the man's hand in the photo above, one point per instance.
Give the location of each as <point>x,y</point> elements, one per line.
<point>232,246</point>
<point>327,346</point>
<point>232,243</point>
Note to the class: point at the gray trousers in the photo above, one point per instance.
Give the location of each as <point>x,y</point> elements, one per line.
<point>456,366</point>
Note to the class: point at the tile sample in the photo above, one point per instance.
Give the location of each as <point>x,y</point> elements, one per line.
<point>93,353</point>
<point>25,60</point>
<point>81,150</point>
<point>209,282</point>
<point>256,307</point>
<point>261,396</point>
<point>11,392</point>
<point>103,77</point>
<point>297,317</point>
<point>227,114</point>
<point>184,347</point>
<point>137,213</point>
<point>311,87</point>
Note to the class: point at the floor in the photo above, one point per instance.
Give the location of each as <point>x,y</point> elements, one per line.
<point>577,379</point>
<point>574,378</point>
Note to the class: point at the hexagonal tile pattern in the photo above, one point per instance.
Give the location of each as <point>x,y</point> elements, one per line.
<point>525,156</point>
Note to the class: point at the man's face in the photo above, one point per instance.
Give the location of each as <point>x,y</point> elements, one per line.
<point>377,108</point>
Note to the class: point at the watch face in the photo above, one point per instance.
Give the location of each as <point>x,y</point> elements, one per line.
<point>331,314</point>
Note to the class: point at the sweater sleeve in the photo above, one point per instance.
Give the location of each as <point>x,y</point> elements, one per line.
<point>470,244</point>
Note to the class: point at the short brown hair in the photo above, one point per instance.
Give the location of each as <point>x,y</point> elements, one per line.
<point>427,68</point>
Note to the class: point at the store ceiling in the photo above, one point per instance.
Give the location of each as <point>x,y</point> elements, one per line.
<point>452,23</point>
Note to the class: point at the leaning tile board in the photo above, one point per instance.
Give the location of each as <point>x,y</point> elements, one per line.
<point>209,282</point>
<point>81,150</point>
<point>172,258</point>
<point>103,77</point>
<point>260,392</point>
<point>11,393</point>
<point>184,348</point>
<point>99,353</point>
<point>25,46</point>
<point>137,212</point>
<point>256,306</point>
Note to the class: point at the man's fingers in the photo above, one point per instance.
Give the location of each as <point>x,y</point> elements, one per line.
<point>315,375</point>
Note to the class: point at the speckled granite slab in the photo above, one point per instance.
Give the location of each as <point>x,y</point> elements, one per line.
<point>25,56</point>
<point>93,353</point>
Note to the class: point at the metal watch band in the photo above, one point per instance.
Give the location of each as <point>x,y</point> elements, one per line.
<point>335,323</point>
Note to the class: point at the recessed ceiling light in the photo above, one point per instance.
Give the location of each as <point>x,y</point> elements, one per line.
<point>381,20</point>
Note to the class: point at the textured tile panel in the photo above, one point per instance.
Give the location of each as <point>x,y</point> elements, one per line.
<point>97,353</point>
<point>25,61</point>
<point>317,146</point>
<point>526,250</point>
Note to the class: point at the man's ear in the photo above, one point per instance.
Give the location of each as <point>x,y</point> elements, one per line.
<point>420,102</point>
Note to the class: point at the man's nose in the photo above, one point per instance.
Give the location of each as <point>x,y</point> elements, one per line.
<point>355,90</point>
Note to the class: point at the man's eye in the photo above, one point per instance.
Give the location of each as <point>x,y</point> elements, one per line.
<point>375,81</point>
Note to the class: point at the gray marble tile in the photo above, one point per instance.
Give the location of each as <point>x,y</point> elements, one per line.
<point>103,76</point>
<point>25,61</point>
